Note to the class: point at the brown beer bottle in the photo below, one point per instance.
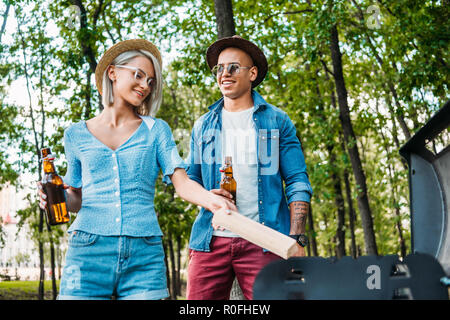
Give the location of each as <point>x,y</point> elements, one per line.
<point>228,183</point>
<point>53,187</point>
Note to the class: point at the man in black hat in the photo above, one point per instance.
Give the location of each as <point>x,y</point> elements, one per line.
<point>265,152</point>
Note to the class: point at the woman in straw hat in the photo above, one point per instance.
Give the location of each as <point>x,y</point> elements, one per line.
<point>115,247</point>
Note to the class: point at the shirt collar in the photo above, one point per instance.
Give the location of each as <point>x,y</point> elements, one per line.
<point>258,102</point>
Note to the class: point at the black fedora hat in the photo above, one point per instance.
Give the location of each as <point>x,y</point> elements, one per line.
<point>258,57</point>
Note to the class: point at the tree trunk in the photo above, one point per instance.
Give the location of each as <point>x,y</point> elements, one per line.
<point>338,198</point>
<point>394,193</point>
<point>52,263</point>
<point>167,264</point>
<point>173,276</point>
<point>351,214</point>
<point>178,293</point>
<point>312,233</point>
<point>41,257</point>
<point>329,245</point>
<point>350,140</point>
<point>5,18</point>
<point>87,95</point>
<point>400,232</point>
<point>224,18</point>
<point>87,45</point>
<point>339,202</point>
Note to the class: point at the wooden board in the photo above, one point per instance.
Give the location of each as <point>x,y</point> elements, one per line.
<point>256,233</point>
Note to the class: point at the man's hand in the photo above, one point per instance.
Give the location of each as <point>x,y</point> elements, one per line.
<point>224,193</point>
<point>300,251</point>
<point>228,200</point>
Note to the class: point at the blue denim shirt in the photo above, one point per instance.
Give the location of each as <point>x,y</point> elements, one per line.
<point>118,186</point>
<point>280,159</point>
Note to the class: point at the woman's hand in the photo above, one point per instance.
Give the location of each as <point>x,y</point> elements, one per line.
<point>221,199</point>
<point>43,197</point>
<point>228,204</point>
<point>193,192</point>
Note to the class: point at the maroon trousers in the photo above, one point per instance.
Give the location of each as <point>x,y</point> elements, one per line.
<point>211,274</point>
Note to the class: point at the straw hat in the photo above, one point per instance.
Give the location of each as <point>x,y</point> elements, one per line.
<point>116,50</point>
<point>258,57</point>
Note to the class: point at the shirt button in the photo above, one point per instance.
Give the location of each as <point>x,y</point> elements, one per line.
<point>117,219</point>
<point>116,180</point>
<point>115,168</point>
<point>117,193</point>
<point>259,179</point>
<point>260,201</point>
<point>117,205</point>
<point>113,155</point>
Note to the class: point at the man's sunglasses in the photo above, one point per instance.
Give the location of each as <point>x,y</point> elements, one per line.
<point>232,68</point>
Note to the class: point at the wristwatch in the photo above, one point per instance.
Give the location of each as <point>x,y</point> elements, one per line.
<point>301,239</point>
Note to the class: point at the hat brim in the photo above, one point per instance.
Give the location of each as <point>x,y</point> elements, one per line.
<point>121,47</point>
<point>258,57</point>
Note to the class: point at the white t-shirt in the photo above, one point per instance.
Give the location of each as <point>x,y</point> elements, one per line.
<point>239,142</point>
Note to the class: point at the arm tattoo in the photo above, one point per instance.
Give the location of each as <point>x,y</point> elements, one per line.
<point>299,213</point>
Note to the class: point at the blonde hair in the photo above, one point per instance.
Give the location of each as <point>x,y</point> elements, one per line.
<point>151,104</point>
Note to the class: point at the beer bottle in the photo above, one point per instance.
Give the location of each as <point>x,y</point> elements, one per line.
<point>52,185</point>
<point>228,183</point>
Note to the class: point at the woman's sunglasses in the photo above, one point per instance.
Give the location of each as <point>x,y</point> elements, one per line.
<point>139,75</point>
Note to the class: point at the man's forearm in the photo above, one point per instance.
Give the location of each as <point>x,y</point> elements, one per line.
<point>299,214</point>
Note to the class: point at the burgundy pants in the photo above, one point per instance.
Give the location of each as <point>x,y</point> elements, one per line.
<point>211,274</point>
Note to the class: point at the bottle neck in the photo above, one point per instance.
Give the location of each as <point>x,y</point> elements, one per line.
<point>49,167</point>
<point>229,173</point>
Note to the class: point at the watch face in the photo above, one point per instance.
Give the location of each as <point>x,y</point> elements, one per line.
<point>303,240</point>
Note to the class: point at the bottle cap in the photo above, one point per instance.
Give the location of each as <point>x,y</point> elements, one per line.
<point>45,152</point>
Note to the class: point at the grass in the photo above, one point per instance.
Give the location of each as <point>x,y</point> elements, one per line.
<point>25,290</point>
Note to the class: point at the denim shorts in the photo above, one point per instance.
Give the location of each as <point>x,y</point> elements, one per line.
<point>106,267</point>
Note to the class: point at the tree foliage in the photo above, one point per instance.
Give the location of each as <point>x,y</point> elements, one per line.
<point>395,63</point>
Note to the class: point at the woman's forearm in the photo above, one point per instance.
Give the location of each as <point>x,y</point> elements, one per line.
<point>73,199</point>
<point>193,192</point>
<point>190,190</point>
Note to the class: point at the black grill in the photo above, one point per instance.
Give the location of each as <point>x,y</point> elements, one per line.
<point>421,275</point>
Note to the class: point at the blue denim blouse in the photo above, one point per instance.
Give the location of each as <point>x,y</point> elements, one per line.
<point>282,176</point>
<point>118,186</point>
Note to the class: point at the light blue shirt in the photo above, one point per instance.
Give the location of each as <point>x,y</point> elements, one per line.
<point>118,186</point>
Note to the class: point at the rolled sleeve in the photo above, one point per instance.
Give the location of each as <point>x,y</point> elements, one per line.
<point>193,161</point>
<point>167,154</point>
<point>299,191</point>
<point>73,174</point>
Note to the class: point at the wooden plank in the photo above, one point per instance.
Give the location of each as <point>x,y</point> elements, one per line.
<point>256,233</point>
